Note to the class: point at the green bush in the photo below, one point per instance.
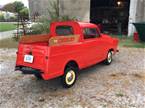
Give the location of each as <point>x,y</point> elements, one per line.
<point>2,17</point>
<point>24,13</point>
<point>36,29</point>
<point>13,18</point>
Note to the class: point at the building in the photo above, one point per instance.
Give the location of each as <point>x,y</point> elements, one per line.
<point>7,15</point>
<point>116,16</point>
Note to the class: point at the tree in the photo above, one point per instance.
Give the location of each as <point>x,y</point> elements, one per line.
<point>18,6</point>
<point>23,16</point>
<point>9,7</point>
<point>24,13</point>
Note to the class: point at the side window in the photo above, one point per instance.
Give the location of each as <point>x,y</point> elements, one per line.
<point>64,30</point>
<point>90,33</point>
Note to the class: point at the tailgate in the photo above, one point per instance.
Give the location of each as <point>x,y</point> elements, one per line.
<point>31,55</point>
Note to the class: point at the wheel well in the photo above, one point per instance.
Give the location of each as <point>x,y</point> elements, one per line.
<point>111,49</point>
<point>73,64</point>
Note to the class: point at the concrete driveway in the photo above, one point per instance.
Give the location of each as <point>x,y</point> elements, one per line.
<point>7,34</point>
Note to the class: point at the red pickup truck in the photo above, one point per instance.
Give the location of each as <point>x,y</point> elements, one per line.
<point>70,47</point>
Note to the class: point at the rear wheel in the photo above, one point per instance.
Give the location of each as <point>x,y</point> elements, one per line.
<point>69,77</point>
<point>108,59</point>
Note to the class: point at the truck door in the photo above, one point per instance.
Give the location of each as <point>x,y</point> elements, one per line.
<point>92,46</point>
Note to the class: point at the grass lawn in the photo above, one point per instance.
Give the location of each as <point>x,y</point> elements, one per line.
<point>130,43</point>
<point>125,41</point>
<point>7,27</point>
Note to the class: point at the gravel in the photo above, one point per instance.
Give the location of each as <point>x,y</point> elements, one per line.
<point>119,85</point>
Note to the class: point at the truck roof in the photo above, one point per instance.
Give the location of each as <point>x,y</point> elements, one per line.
<point>86,24</point>
<point>81,24</point>
<point>75,24</point>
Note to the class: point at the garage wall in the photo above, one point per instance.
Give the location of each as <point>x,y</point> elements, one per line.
<point>39,6</point>
<point>76,8</point>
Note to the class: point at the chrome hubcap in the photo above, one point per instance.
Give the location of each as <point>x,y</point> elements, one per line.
<point>109,57</point>
<point>70,77</point>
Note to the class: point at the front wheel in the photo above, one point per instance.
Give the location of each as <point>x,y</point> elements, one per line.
<point>108,59</point>
<point>69,77</point>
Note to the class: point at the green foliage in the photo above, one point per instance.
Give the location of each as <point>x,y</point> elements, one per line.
<point>36,29</point>
<point>1,17</point>
<point>67,18</point>
<point>24,13</point>
<point>129,42</point>
<point>44,24</point>
<point>7,27</point>
<point>125,41</point>
<point>9,7</point>
<point>13,18</point>
<point>18,6</point>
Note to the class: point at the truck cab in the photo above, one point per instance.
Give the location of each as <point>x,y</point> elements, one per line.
<point>69,47</point>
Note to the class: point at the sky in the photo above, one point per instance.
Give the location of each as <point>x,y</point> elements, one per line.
<point>3,2</point>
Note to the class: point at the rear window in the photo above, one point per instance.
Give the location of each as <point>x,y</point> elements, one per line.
<point>64,30</point>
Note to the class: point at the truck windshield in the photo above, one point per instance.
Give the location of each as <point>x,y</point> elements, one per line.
<point>64,30</point>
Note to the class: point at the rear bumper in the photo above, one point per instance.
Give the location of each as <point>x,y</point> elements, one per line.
<point>28,70</point>
<point>31,71</point>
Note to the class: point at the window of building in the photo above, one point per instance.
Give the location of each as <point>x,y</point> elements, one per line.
<point>90,33</point>
<point>64,30</point>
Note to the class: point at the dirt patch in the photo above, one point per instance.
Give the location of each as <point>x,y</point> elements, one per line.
<point>140,76</point>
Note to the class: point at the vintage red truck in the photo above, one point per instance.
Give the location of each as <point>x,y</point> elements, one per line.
<point>70,47</point>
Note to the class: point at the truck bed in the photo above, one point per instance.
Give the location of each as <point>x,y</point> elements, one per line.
<point>38,49</point>
<point>48,40</point>
<point>35,39</point>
